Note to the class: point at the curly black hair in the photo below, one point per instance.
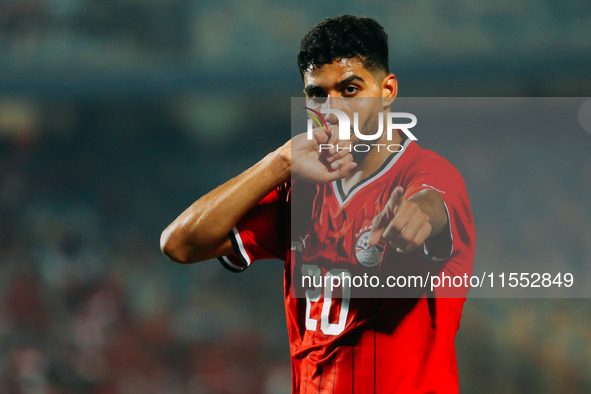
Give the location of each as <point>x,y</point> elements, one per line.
<point>345,37</point>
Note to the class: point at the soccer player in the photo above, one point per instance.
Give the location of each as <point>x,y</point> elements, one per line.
<point>398,211</point>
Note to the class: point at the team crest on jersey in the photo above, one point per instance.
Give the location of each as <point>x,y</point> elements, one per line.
<point>367,256</point>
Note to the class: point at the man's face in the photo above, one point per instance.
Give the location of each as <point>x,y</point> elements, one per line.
<point>344,85</point>
<point>343,78</point>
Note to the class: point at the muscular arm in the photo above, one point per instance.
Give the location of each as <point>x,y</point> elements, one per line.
<point>201,231</point>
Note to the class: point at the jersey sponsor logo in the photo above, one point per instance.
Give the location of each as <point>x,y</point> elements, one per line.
<point>367,256</point>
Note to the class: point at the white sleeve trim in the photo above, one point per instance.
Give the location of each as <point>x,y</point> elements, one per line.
<point>232,265</point>
<point>434,188</point>
<point>240,244</point>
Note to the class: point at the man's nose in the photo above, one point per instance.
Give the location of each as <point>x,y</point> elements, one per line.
<point>329,104</point>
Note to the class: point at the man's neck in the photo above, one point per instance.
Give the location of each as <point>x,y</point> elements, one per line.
<point>370,163</point>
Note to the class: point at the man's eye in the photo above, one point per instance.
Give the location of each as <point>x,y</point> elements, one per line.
<point>351,89</point>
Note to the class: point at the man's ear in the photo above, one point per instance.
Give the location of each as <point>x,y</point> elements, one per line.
<point>389,89</point>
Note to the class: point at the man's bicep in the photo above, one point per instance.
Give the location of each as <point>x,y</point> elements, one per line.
<point>198,255</point>
<point>224,249</point>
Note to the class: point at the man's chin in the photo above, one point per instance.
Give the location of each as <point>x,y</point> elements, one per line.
<point>358,157</point>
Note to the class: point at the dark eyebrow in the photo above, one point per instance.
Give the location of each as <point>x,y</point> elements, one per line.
<point>340,84</point>
<point>350,79</point>
<point>309,88</point>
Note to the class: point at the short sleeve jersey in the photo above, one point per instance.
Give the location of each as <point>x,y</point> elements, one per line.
<point>340,343</point>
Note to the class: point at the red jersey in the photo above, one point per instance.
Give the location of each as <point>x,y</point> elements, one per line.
<point>341,342</point>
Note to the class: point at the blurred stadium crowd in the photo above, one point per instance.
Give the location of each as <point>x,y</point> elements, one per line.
<point>115,115</point>
<point>88,302</point>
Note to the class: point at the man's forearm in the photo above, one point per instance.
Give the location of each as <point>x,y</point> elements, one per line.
<point>201,231</point>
